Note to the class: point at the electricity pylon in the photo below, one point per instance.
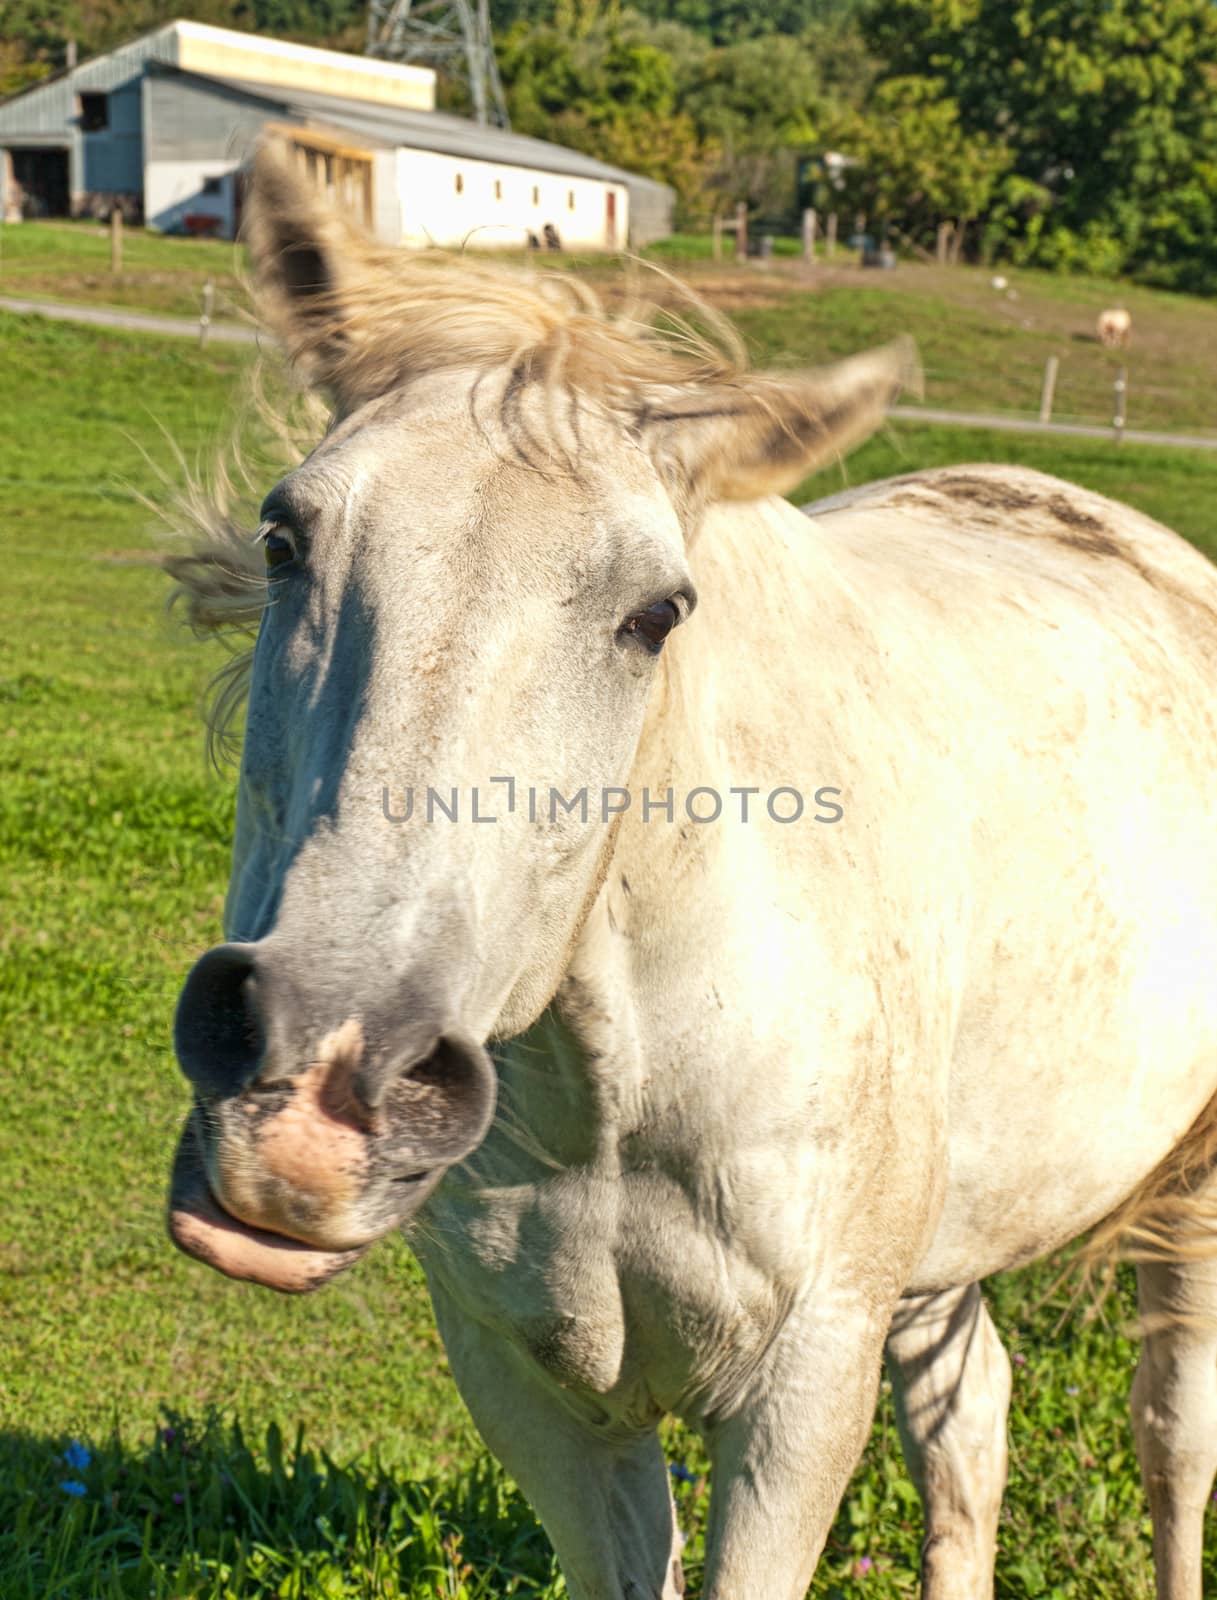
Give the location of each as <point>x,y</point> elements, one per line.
<point>453,34</point>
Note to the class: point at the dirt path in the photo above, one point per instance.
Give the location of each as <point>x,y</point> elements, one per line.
<point>132,321</point>
<point>1079,430</point>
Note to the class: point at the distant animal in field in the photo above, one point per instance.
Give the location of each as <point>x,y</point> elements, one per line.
<point>711,1120</point>
<point>1114,328</point>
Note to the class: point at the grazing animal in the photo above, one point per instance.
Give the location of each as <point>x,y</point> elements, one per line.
<point>686,1116</point>
<point>1114,328</point>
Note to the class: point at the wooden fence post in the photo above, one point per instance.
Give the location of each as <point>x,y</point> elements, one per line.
<point>209,292</point>
<point>716,236</point>
<point>116,241</point>
<point>1121,407</point>
<point>830,237</point>
<point>741,231</point>
<point>809,237</point>
<point>1049,388</point>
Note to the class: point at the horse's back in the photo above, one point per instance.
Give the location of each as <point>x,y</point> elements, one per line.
<point>1055,658</point>
<point>1026,529</point>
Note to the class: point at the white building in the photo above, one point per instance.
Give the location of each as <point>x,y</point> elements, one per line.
<point>161,128</point>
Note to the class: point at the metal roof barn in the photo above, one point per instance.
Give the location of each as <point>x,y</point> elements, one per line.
<point>160,128</point>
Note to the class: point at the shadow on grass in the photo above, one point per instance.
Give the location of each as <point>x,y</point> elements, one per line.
<point>199,1512</point>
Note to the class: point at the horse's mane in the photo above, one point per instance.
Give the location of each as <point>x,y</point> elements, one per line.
<point>403,317</point>
<point>220,574</point>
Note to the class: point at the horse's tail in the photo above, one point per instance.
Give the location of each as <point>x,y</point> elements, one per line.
<point>1172,1213</point>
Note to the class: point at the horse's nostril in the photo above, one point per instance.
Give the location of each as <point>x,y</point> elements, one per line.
<point>439,1099</point>
<point>217,1031</point>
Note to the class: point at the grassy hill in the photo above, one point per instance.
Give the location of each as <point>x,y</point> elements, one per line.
<point>983,350</point>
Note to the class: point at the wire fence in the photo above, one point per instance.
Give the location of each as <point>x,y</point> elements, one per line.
<point>1071,383</point>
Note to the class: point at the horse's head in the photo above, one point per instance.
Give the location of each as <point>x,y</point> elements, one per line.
<point>469,583</point>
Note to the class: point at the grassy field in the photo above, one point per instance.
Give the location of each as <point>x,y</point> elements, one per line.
<point>164,1433</point>
<point>71,261</point>
<point>983,351</point>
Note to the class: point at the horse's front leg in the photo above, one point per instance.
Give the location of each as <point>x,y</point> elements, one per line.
<point>604,1500</point>
<point>784,1456</point>
<point>951,1379</point>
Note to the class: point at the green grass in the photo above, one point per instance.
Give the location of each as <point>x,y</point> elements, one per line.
<point>71,261</point>
<point>686,249</point>
<point>113,850</point>
<point>983,351</point>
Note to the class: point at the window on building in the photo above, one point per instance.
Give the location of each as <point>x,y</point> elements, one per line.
<point>213,186</point>
<point>498,188</point>
<point>570,199</point>
<point>536,195</point>
<point>94,112</point>
<point>460,184</point>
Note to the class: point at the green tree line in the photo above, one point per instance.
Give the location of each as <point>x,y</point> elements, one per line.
<point>1077,134</point>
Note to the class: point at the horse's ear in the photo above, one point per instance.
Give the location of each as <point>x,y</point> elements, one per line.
<point>305,261</point>
<point>762,434</point>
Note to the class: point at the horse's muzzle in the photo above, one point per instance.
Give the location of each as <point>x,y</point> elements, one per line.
<point>303,1151</point>
<point>202,1228</point>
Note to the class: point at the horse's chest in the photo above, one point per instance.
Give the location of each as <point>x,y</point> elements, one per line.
<point>618,1300</point>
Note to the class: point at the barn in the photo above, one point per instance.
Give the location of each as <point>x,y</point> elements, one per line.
<point>160,128</point>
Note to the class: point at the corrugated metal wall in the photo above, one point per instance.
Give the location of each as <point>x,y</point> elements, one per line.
<point>195,121</point>
<point>50,108</point>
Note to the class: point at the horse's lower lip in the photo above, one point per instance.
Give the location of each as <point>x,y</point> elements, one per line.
<point>202,1228</point>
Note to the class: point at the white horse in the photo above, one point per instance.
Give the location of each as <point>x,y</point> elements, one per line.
<point>774,1094</point>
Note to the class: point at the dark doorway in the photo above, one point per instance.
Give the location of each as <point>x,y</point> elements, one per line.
<point>41,178</point>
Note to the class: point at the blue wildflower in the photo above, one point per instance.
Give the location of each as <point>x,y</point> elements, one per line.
<point>77,1456</point>
<point>682,1474</point>
<point>70,1486</point>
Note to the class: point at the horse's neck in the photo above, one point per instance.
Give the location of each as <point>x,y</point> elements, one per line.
<point>589,1072</point>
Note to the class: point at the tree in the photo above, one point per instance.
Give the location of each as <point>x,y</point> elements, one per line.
<point>1107,107</point>
<point>722,22</point>
<point>33,40</point>
<point>760,101</point>
<point>916,167</point>
<point>604,88</point>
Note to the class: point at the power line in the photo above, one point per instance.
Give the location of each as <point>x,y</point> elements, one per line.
<point>452,34</point>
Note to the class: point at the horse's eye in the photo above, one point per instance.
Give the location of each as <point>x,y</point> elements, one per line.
<point>652,626</point>
<point>278,549</point>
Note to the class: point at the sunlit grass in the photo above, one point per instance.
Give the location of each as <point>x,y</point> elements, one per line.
<point>113,859</point>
